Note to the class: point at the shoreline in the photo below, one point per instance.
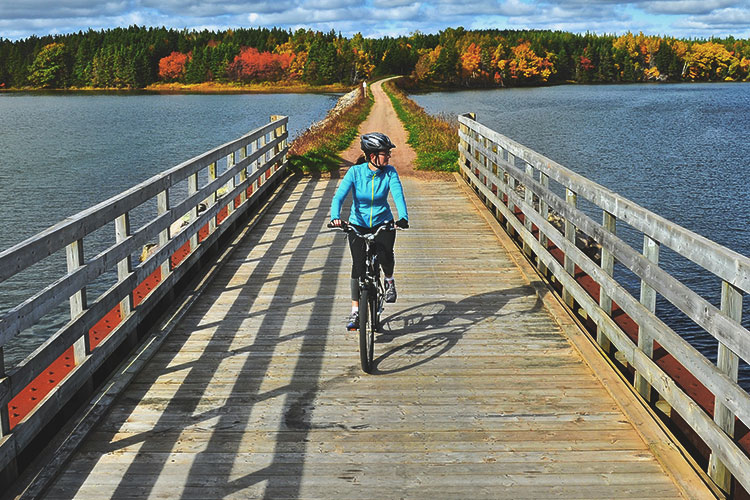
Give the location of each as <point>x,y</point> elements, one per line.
<point>198,88</point>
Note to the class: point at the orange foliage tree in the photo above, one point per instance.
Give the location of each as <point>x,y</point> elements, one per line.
<point>470,60</point>
<point>172,67</point>
<point>252,65</point>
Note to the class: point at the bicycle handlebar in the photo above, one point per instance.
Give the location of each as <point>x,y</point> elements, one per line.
<point>348,228</point>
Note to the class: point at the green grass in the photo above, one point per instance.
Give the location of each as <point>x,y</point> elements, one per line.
<point>318,150</point>
<point>434,139</point>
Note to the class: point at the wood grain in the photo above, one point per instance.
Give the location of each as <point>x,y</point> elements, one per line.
<point>258,392</point>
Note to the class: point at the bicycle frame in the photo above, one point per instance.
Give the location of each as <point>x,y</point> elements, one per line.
<point>371,295</point>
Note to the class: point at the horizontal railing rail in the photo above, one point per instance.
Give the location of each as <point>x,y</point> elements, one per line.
<point>179,231</point>
<point>516,182</point>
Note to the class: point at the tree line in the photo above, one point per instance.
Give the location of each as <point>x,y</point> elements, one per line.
<point>136,57</point>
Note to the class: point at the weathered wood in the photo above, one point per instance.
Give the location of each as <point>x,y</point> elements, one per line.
<point>162,207</point>
<point>74,254</point>
<point>72,285</point>
<point>25,431</point>
<point>705,314</point>
<point>609,223</point>
<point>717,381</point>
<point>721,261</point>
<point>727,362</point>
<point>648,299</point>
<point>257,392</point>
<point>725,449</point>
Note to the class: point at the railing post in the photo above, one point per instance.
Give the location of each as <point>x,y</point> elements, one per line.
<point>232,182</point>
<point>570,234</point>
<point>192,189</point>
<point>544,211</point>
<point>74,257</point>
<point>727,362</point>
<point>243,175</point>
<point>277,132</point>
<point>263,141</point>
<point>648,299</point>
<point>463,161</point>
<point>529,199</point>
<point>212,198</point>
<point>124,267</point>
<point>162,207</point>
<point>511,187</point>
<point>4,415</point>
<point>609,222</point>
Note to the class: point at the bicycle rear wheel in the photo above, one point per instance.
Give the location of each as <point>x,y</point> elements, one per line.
<point>366,330</point>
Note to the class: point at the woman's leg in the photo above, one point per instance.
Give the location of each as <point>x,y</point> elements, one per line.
<point>384,243</point>
<point>357,249</point>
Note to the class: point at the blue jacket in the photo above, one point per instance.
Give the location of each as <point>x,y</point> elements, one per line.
<point>370,195</point>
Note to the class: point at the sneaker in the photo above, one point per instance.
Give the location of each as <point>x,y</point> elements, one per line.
<point>353,321</point>
<point>390,291</point>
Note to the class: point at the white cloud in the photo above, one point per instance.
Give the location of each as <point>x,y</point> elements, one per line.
<point>377,18</point>
<point>678,7</point>
<point>721,19</point>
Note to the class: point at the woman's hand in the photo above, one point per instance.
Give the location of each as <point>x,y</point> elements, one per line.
<point>402,223</point>
<point>335,223</point>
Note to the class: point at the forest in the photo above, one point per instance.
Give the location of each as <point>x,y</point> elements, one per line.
<point>139,57</point>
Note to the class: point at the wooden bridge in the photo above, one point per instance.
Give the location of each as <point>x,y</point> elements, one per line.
<point>239,380</point>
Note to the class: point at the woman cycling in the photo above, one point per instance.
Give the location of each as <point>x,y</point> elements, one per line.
<point>370,182</point>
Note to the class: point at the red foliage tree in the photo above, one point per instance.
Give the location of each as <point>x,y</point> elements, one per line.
<point>172,67</point>
<point>250,64</point>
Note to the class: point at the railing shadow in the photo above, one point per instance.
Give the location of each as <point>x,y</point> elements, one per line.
<point>205,423</point>
<point>441,324</point>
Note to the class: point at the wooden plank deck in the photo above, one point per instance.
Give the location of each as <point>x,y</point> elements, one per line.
<point>477,392</point>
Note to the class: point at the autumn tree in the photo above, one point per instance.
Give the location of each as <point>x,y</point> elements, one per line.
<point>525,66</point>
<point>251,65</point>
<point>48,69</point>
<point>172,67</point>
<point>708,61</point>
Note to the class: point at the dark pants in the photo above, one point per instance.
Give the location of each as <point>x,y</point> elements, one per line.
<point>384,243</point>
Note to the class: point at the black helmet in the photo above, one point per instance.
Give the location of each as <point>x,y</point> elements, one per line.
<point>375,141</point>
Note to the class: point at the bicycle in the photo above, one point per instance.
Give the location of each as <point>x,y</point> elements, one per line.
<point>371,294</point>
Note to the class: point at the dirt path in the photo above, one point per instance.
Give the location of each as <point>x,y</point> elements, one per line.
<point>383,118</point>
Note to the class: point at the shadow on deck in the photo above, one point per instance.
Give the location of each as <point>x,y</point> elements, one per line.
<point>258,391</point>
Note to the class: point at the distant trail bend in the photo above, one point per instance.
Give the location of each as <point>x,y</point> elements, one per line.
<point>383,118</point>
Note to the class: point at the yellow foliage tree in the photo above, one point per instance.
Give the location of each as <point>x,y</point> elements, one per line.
<point>709,61</point>
<point>424,69</point>
<point>525,64</point>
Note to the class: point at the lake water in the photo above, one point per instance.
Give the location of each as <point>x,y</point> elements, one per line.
<point>682,151</point>
<point>63,153</point>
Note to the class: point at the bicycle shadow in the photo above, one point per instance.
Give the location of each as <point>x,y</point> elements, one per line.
<point>444,323</point>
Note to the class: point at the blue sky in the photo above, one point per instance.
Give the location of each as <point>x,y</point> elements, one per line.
<point>680,18</point>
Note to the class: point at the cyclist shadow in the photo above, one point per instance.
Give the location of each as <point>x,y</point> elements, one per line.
<point>443,323</point>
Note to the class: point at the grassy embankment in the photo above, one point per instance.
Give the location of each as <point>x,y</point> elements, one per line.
<point>434,139</point>
<point>317,149</point>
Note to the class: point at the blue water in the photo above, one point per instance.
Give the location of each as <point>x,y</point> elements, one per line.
<point>63,153</point>
<point>682,151</point>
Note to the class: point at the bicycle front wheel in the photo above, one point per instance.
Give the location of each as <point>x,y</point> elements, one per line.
<point>366,331</point>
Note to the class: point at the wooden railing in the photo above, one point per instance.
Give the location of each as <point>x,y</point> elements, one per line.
<point>516,181</point>
<point>33,392</point>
